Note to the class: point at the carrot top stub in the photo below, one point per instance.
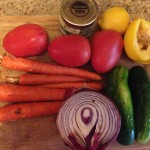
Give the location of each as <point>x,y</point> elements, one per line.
<point>33,66</point>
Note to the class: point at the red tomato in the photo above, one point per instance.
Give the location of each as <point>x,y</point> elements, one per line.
<point>70,50</point>
<point>26,40</point>
<point>107,48</point>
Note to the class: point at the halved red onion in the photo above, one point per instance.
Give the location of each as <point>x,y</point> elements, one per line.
<point>88,121</point>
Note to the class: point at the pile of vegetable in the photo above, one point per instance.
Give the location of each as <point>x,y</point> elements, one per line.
<point>94,107</point>
<point>41,81</point>
<point>117,88</point>
<point>130,91</point>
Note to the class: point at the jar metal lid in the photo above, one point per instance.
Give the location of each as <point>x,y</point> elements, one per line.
<point>79,12</point>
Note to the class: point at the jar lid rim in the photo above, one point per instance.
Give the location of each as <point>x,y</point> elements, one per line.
<point>89,7</point>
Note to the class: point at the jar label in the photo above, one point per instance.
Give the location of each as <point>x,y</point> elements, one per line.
<point>79,9</point>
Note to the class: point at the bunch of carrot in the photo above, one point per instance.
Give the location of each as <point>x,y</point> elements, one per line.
<point>43,89</point>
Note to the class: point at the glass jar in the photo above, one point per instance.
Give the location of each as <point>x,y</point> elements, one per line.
<point>78,16</point>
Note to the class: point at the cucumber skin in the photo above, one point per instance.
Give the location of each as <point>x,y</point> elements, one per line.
<point>140,87</point>
<point>118,90</point>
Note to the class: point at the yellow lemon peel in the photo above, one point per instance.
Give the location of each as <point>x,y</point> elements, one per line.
<point>115,18</point>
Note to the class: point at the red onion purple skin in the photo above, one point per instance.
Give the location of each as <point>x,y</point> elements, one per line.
<point>69,92</point>
<point>76,145</point>
<point>89,137</point>
<point>95,143</point>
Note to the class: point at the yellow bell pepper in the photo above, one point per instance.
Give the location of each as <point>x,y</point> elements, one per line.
<point>137,41</point>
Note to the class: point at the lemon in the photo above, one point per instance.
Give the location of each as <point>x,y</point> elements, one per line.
<point>115,18</point>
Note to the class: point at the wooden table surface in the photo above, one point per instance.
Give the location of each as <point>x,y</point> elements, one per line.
<point>41,133</point>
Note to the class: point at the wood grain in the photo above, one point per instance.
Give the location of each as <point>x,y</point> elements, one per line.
<point>40,133</point>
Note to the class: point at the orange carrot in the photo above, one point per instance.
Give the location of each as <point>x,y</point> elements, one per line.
<point>37,79</point>
<point>20,93</point>
<point>78,85</point>
<point>28,65</point>
<point>14,112</point>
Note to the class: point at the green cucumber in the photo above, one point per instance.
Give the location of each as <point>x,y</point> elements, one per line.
<point>140,88</point>
<point>118,90</point>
